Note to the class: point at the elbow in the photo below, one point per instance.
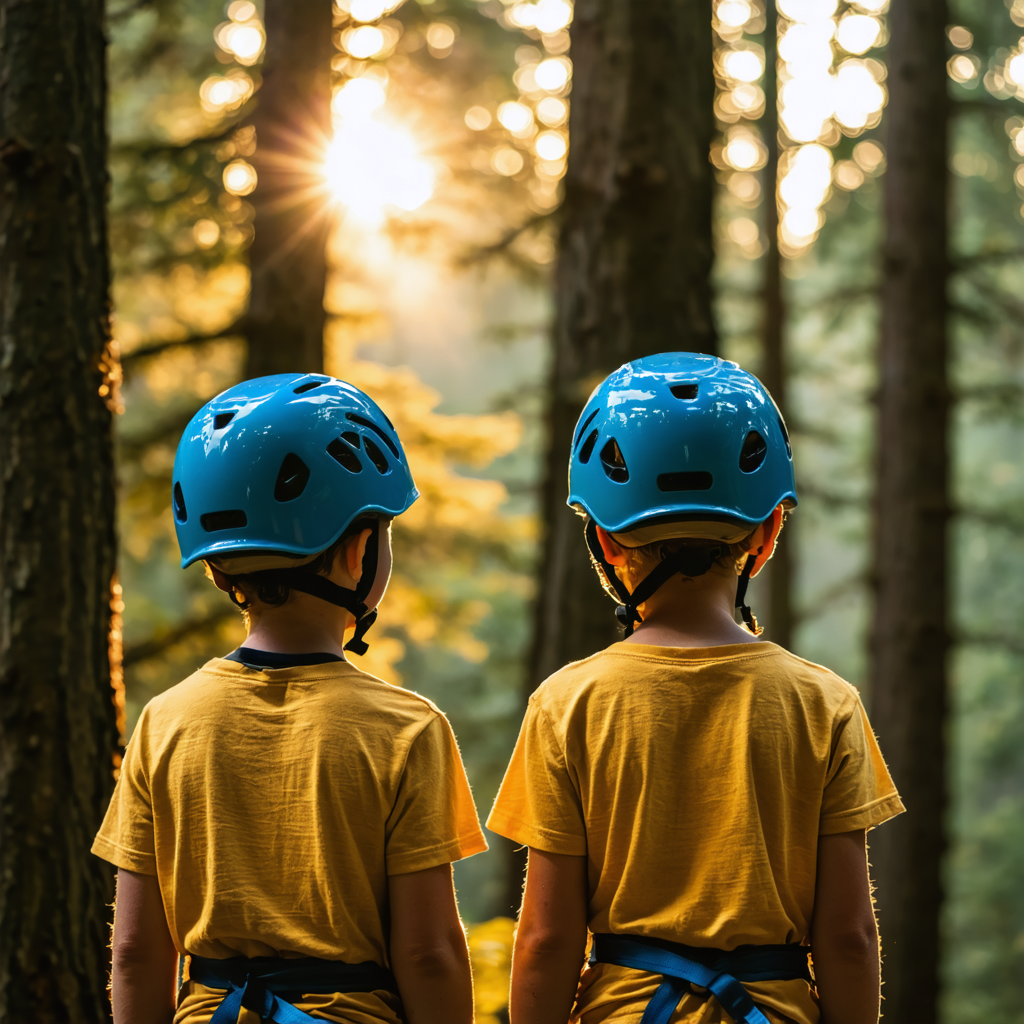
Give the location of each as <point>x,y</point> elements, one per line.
<point>548,942</point>
<point>431,958</point>
<point>129,955</point>
<point>858,941</point>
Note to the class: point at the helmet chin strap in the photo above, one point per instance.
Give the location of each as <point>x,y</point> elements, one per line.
<point>312,583</point>
<point>687,560</point>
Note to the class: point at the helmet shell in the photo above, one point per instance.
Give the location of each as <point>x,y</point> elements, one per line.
<point>284,463</point>
<point>680,436</point>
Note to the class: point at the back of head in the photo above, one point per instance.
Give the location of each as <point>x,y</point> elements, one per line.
<point>275,470</point>
<point>281,465</point>
<point>679,445</point>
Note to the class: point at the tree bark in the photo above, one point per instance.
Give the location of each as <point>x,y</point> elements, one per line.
<point>780,569</point>
<point>633,273</point>
<point>58,376</point>
<point>910,638</point>
<point>288,261</point>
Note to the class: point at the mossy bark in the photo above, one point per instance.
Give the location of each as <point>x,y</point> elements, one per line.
<point>58,725</point>
<point>910,639</point>
<point>288,260</point>
<point>634,264</point>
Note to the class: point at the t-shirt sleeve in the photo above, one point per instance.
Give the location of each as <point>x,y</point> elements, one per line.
<point>538,805</point>
<point>433,820</point>
<point>126,837</point>
<point>859,792</point>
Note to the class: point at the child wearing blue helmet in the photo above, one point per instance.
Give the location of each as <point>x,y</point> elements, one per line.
<point>284,822</point>
<point>693,798</point>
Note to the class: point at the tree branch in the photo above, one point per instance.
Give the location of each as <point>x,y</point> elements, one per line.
<point>501,246</point>
<point>146,650</point>
<point>154,348</point>
<point>971,638</point>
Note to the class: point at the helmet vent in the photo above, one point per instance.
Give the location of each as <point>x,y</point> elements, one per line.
<point>613,463</point>
<point>588,447</point>
<point>785,437</point>
<point>308,386</point>
<point>180,512</point>
<point>685,481</point>
<point>753,453</point>
<point>687,392</point>
<point>352,438</point>
<point>344,456</point>
<point>222,419</point>
<point>292,478</point>
<point>230,519</point>
<point>364,422</point>
<point>583,429</point>
<point>377,457</point>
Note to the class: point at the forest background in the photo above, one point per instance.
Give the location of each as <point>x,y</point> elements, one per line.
<point>444,182</point>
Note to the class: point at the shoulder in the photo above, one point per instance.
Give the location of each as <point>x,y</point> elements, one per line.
<point>809,680</point>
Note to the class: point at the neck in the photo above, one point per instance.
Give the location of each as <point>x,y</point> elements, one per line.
<point>696,612</point>
<point>302,625</point>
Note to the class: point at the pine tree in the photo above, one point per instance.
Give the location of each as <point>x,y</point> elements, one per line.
<point>287,258</point>
<point>58,379</point>
<point>910,639</point>
<point>634,263</point>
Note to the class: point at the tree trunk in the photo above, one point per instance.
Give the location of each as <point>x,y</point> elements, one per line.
<point>780,569</point>
<point>58,731</point>
<point>633,275</point>
<point>909,635</point>
<point>285,324</point>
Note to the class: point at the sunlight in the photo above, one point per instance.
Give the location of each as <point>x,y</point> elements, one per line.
<point>371,165</point>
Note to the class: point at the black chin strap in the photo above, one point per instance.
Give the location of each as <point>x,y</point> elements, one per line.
<point>688,560</point>
<point>319,586</point>
<point>741,597</point>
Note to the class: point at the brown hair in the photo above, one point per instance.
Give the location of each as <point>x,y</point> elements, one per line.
<point>641,560</point>
<point>249,587</point>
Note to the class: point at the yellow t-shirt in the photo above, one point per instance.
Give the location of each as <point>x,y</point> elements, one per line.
<point>273,804</point>
<point>696,782</point>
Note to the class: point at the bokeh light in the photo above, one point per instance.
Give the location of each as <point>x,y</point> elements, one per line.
<point>358,97</point>
<point>220,93</point>
<point>547,16</point>
<point>515,116</point>
<point>552,74</point>
<point>743,65</point>
<point>507,161</point>
<point>552,111</point>
<point>440,38</point>
<point>857,33</point>
<point>244,41</point>
<point>239,177</point>
<point>478,118</point>
<point>206,233</point>
<point>550,145</point>
<point>241,10</point>
<point>363,42</point>
<point>367,10</point>
<point>734,13</point>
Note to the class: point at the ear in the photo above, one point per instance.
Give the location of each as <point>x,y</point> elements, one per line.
<point>614,552</point>
<point>219,579</point>
<point>762,543</point>
<point>355,549</point>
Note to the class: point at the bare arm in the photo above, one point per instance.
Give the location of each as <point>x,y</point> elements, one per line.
<point>144,957</point>
<point>551,940</point>
<point>428,948</point>
<point>844,936</point>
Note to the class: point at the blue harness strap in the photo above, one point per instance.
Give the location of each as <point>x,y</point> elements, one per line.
<point>714,969</point>
<point>268,985</point>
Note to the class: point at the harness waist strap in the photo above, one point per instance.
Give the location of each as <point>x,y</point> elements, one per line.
<point>268,985</point>
<point>717,970</point>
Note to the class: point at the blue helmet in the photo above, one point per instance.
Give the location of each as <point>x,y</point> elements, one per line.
<point>679,445</point>
<point>285,464</point>
<point>680,438</point>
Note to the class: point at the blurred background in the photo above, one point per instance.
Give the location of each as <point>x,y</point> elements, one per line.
<point>433,184</point>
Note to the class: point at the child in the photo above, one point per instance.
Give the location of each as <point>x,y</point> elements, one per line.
<point>694,798</point>
<point>284,819</point>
